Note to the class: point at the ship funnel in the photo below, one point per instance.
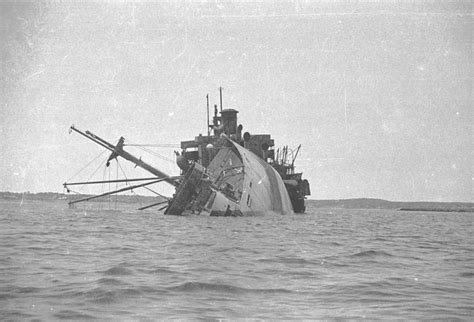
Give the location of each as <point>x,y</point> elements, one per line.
<point>229,121</point>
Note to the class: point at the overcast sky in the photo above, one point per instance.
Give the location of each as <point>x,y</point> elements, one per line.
<point>378,94</point>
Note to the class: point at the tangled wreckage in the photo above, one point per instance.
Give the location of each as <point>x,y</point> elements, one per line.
<point>225,173</point>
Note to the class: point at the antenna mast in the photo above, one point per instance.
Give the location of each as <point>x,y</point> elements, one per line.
<point>220,93</point>
<point>208,128</point>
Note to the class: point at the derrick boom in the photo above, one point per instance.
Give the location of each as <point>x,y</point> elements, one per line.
<point>117,150</point>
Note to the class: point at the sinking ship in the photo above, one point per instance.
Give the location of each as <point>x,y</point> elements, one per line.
<point>224,173</point>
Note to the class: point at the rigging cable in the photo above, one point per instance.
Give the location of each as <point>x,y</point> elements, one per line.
<point>116,184</point>
<point>104,176</point>
<point>109,188</point>
<point>95,171</point>
<point>164,145</point>
<point>123,172</point>
<point>142,147</point>
<point>126,182</point>
<point>157,154</point>
<point>158,194</point>
<point>98,156</point>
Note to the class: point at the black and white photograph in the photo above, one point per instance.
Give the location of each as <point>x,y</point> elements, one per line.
<point>236,160</point>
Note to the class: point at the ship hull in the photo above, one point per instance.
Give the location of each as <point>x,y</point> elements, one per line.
<point>264,190</point>
<point>236,183</point>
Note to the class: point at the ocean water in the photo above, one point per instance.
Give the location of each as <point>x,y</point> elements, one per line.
<point>59,263</point>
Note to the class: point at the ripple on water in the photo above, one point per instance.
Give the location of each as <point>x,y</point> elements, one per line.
<point>157,271</point>
<point>224,288</point>
<point>111,282</point>
<point>372,253</point>
<point>15,291</point>
<point>15,315</point>
<point>73,315</point>
<point>101,295</point>
<point>119,270</point>
<point>290,260</point>
<point>467,274</point>
<point>106,294</point>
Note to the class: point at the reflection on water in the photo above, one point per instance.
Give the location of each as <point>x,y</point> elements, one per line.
<point>100,264</point>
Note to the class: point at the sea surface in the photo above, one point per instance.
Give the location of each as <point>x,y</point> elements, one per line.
<point>122,264</point>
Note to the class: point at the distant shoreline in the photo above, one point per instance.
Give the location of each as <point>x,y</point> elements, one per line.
<point>365,203</point>
<point>52,196</point>
<point>437,209</point>
<point>360,203</point>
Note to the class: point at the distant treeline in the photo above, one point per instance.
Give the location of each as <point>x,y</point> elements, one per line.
<point>398,205</point>
<point>70,197</point>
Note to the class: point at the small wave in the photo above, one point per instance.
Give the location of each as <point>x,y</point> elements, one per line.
<point>381,295</point>
<point>110,281</point>
<point>289,260</point>
<point>124,249</point>
<point>26,290</point>
<point>15,316</point>
<point>300,274</point>
<point>371,253</point>
<point>235,249</point>
<point>6,296</point>
<point>73,315</point>
<point>467,274</point>
<point>381,239</point>
<point>298,260</point>
<point>224,288</point>
<point>333,264</point>
<point>396,280</point>
<point>40,248</point>
<point>117,271</point>
<point>101,296</point>
<point>160,270</point>
<point>106,295</point>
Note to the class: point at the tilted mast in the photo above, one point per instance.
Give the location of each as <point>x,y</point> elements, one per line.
<point>117,150</point>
